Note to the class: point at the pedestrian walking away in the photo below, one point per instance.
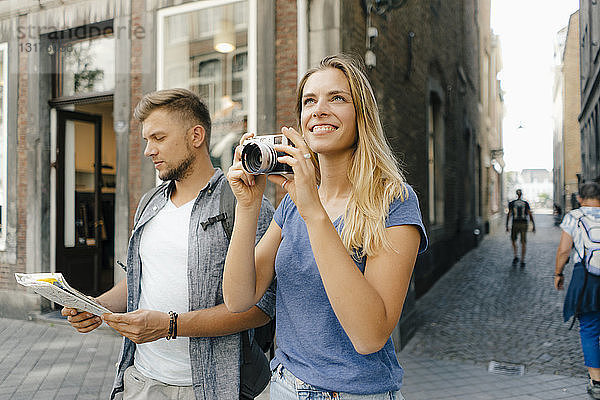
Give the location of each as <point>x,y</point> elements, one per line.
<point>520,212</point>
<point>581,232</point>
<point>180,341</point>
<point>342,244</point>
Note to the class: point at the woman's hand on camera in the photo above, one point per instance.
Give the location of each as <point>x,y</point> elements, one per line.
<point>248,189</point>
<point>302,188</point>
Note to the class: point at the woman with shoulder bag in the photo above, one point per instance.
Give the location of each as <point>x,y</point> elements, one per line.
<point>342,244</point>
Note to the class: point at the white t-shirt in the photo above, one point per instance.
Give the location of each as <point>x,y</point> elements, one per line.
<point>164,287</point>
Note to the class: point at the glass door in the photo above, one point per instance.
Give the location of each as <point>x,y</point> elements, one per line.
<point>80,225</point>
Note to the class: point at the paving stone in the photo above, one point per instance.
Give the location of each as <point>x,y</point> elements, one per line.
<point>483,309</point>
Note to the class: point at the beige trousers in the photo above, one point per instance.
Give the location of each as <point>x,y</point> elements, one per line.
<point>140,387</point>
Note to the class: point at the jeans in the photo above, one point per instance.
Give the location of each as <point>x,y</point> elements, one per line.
<point>589,332</point>
<point>285,386</point>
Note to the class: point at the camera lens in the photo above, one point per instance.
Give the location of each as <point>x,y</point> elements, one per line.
<point>258,158</point>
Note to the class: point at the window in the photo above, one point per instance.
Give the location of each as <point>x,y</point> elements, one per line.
<point>239,79</point>
<point>494,189</point>
<point>211,58</point>
<point>206,81</point>
<point>584,55</point>
<point>435,160</point>
<point>86,65</point>
<point>3,143</point>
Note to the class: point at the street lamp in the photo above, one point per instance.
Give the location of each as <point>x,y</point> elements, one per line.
<point>380,7</point>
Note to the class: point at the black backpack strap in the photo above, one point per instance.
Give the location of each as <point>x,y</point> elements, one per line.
<point>227,209</point>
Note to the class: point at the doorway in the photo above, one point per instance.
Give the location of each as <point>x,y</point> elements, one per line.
<point>85,196</point>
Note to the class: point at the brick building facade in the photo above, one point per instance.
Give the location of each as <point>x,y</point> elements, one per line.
<point>589,38</point>
<point>567,107</point>
<point>441,116</point>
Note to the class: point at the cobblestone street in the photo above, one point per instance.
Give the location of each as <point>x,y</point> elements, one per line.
<point>485,309</point>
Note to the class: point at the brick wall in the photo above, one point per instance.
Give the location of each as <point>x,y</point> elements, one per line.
<point>286,76</point>
<point>445,38</point>
<point>285,62</point>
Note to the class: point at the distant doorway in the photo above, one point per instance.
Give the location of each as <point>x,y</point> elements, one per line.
<point>85,197</point>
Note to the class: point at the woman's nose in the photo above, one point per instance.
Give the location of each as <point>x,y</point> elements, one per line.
<point>321,108</point>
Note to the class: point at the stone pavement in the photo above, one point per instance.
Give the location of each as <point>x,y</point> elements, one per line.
<point>482,310</point>
<point>45,360</point>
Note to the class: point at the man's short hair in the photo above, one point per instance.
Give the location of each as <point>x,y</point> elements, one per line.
<point>183,102</point>
<point>590,190</point>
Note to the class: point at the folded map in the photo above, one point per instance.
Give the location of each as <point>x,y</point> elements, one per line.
<point>54,287</point>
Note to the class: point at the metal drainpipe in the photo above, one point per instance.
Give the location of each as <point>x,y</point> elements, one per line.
<point>302,40</point>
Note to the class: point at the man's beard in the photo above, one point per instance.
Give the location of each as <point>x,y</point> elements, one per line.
<point>181,171</point>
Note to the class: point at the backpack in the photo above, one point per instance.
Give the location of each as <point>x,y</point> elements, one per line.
<point>591,241</point>
<point>255,372</point>
<point>591,252</point>
<point>519,210</point>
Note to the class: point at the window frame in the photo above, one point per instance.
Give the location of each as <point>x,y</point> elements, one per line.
<point>435,158</point>
<point>4,146</point>
<point>198,80</point>
<point>71,36</point>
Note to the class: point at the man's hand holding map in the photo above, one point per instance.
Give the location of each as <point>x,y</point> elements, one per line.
<point>54,287</point>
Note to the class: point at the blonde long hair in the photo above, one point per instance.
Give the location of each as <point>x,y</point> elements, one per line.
<point>373,170</point>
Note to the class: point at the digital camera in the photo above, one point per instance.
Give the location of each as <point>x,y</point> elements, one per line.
<point>260,157</point>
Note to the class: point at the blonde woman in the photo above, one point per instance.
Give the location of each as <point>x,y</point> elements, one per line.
<point>342,244</point>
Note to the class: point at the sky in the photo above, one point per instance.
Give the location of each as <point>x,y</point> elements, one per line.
<point>528,30</point>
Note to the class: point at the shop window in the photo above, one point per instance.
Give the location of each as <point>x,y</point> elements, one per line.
<point>85,65</point>
<point>211,57</point>
<point>3,143</point>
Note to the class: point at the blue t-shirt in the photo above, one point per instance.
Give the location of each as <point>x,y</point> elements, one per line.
<point>311,342</point>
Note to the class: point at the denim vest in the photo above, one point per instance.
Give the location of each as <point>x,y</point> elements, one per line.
<point>215,372</point>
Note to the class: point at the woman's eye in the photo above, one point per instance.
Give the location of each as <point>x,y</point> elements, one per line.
<point>338,97</point>
<point>308,101</point>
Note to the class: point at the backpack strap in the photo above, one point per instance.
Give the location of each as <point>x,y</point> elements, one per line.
<point>227,209</point>
<point>578,215</point>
